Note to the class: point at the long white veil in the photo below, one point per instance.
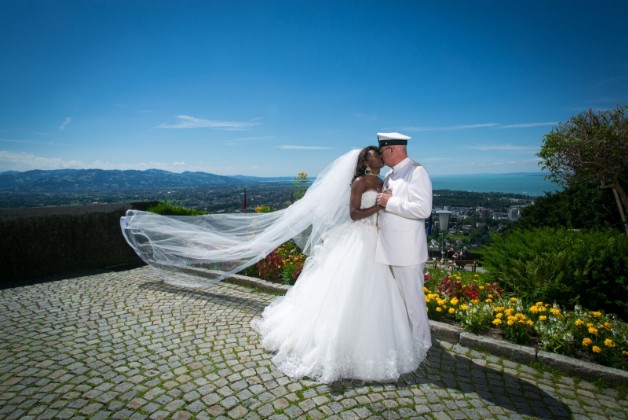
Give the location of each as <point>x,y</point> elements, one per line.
<point>200,250</point>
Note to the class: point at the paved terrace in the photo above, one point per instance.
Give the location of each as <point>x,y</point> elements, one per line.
<point>125,345</point>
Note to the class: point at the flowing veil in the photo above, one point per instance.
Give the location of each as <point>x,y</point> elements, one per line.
<point>200,250</point>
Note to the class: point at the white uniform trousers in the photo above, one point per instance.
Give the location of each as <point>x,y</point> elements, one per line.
<point>410,282</point>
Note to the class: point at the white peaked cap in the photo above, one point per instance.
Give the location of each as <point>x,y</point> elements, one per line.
<point>392,136</point>
<point>391,139</point>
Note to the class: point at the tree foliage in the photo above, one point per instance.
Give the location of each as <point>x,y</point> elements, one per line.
<point>591,148</point>
<point>300,186</point>
<point>579,206</point>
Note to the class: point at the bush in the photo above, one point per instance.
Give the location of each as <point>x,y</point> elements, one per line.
<point>166,209</point>
<point>586,268</point>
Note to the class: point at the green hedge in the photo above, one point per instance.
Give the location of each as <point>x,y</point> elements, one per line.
<point>568,267</point>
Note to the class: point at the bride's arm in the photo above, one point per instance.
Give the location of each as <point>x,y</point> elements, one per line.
<point>355,201</point>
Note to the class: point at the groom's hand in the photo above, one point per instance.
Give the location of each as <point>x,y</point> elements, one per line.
<point>382,198</point>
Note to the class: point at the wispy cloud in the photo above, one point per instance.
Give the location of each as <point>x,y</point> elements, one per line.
<point>529,125</point>
<point>295,147</point>
<point>26,141</point>
<point>10,161</point>
<point>186,121</point>
<point>65,123</point>
<point>452,127</point>
<point>503,148</point>
<point>481,125</point>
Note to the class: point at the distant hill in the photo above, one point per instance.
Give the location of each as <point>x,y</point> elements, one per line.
<point>89,180</point>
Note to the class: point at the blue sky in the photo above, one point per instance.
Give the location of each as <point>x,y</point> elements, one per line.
<point>271,88</point>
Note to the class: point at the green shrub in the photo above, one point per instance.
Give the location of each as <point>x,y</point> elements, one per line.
<point>568,267</point>
<point>166,209</point>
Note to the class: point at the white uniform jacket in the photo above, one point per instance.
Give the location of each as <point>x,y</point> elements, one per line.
<point>402,240</point>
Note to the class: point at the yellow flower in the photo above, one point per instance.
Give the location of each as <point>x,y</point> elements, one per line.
<point>475,301</point>
<point>498,308</point>
<point>489,300</point>
<point>529,322</point>
<point>593,330</point>
<point>596,349</point>
<point>534,309</point>
<point>438,309</point>
<point>596,314</point>
<point>586,341</point>
<point>513,299</point>
<point>481,287</point>
<point>497,321</point>
<point>510,322</point>
<point>452,310</point>
<point>608,325</point>
<point>490,296</point>
<point>463,307</point>
<point>609,343</point>
<point>499,315</point>
<point>542,318</point>
<point>454,301</point>
<point>509,311</point>
<point>539,303</point>
<point>579,322</point>
<point>425,290</point>
<point>555,311</point>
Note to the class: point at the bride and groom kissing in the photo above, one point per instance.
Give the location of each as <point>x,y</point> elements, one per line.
<point>357,310</point>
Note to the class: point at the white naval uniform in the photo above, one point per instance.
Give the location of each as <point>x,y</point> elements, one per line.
<point>402,240</point>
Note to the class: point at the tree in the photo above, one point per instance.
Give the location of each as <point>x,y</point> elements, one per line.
<point>299,187</point>
<point>580,206</point>
<point>593,148</point>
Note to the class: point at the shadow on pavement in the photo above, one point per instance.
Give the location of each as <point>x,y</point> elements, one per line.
<point>443,371</point>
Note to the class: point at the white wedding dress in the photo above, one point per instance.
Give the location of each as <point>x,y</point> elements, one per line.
<point>344,318</point>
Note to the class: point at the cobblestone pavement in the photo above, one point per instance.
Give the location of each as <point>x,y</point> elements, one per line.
<point>125,345</point>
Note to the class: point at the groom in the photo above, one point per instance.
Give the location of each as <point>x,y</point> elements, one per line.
<point>402,241</point>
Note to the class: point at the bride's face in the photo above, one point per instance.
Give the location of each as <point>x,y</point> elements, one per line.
<point>374,160</point>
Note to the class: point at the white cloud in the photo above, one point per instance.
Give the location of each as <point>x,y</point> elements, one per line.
<point>529,125</point>
<point>186,121</point>
<point>19,141</point>
<point>453,127</point>
<point>295,147</point>
<point>10,161</point>
<point>481,125</point>
<point>503,148</point>
<point>65,123</point>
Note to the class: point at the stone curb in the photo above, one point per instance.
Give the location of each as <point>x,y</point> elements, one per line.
<point>524,354</point>
<point>457,336</point>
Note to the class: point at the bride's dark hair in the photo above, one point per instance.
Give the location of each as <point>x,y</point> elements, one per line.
<point>361,164</point>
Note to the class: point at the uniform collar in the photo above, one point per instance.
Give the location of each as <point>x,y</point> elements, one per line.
<point>400,165</point>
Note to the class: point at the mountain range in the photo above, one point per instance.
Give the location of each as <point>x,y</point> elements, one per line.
<point>89,180</point>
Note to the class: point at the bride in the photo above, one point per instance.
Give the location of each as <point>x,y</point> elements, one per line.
<point>344,318</point>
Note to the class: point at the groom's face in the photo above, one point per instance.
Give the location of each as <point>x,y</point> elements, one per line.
<point>387,154</point>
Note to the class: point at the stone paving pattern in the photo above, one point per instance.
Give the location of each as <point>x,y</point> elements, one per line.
<point>126,345</point>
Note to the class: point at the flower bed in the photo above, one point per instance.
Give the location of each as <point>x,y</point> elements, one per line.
<point>464,299</point>
<point>480,307</point>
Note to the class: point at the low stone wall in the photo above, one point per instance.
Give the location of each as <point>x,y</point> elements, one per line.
<point>40,242</point>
